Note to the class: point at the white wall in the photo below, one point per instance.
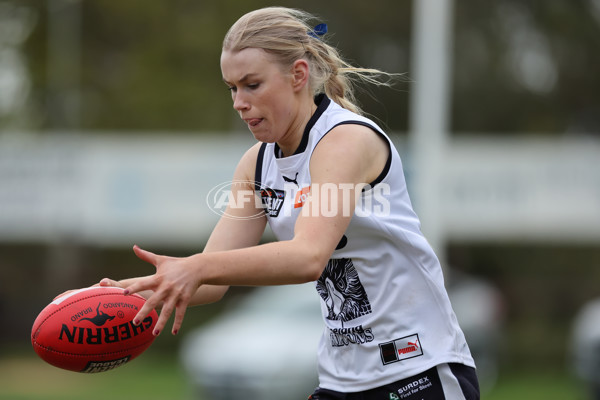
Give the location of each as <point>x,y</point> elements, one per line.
<point>151,189</point>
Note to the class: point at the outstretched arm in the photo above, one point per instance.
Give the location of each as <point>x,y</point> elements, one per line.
<point>348,156</point>
<point>242,225</point>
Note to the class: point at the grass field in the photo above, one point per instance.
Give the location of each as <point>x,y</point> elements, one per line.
<point>149,377</point>
<point>159,377</point>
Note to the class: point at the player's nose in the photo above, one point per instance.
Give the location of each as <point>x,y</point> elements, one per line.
<point>240,103</point>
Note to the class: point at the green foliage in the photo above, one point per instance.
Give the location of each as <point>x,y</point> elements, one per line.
<point>518,66</point>
<point>526,66</point>
<point>155,65</point>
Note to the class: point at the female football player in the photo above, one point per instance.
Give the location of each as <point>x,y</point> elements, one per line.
<point>330,184</point>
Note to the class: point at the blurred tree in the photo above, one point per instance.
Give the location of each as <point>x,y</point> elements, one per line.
<point>16,24</point>
<point>374,34</point>
<point>519,66</point>
<point>527,66</point>
<point>155,65</point>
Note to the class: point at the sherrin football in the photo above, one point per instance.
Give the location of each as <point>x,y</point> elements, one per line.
<point>91,330</point>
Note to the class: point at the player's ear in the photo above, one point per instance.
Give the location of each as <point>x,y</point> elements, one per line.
<point>300,74</point>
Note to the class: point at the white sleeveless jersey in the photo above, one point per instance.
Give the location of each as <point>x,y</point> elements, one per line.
<point>385,307</point>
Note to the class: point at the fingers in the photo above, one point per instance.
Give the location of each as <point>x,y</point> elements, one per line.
<point>146,255</point>
<point>142,283</point>
<point>165,314</point>
<point>171,289</point>
<point>169,304</point>
<point>151,303</point>
<point>172,300</point>
<point>103,282</point>
<point>179,314</point>
<point>106,282</point>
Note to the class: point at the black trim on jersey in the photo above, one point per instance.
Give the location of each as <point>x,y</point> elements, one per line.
<point>388,162</point>
<point>386,168</point>
<point>322,103</point>
<point>343,242</point>
<point>259,165</point>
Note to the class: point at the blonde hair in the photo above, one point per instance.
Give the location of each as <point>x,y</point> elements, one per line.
<point>285,33</point>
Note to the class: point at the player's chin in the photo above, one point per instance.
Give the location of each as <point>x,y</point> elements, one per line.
<point>263,135</point>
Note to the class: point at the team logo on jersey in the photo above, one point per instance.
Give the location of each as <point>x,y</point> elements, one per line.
<point>341,290</point>
<point>272,200</point>
<point>340,337</point>
<point>400,349</point>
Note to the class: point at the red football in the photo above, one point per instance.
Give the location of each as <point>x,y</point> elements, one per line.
<point>92,330</point>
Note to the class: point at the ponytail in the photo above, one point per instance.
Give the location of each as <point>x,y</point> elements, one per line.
<point>286,34</point>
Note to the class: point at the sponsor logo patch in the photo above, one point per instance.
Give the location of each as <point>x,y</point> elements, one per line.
<point>400,349</point>
<point>301,197</point>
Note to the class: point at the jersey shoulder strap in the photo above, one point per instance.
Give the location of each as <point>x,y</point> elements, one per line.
<point>259,165</point>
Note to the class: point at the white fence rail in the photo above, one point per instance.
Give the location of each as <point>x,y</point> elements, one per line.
<point>151,189</point>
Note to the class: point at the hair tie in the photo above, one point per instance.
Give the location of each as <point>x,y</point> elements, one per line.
<point>318,31</point>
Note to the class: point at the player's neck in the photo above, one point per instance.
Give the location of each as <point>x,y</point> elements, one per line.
<point>291,141</point>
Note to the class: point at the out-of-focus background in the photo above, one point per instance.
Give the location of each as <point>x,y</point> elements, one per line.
<point>115,125</point>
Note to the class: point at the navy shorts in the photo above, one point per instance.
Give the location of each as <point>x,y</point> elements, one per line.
<point>444,382</point>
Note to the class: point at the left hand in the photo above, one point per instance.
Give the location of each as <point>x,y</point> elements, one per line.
<point>173,284</point>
